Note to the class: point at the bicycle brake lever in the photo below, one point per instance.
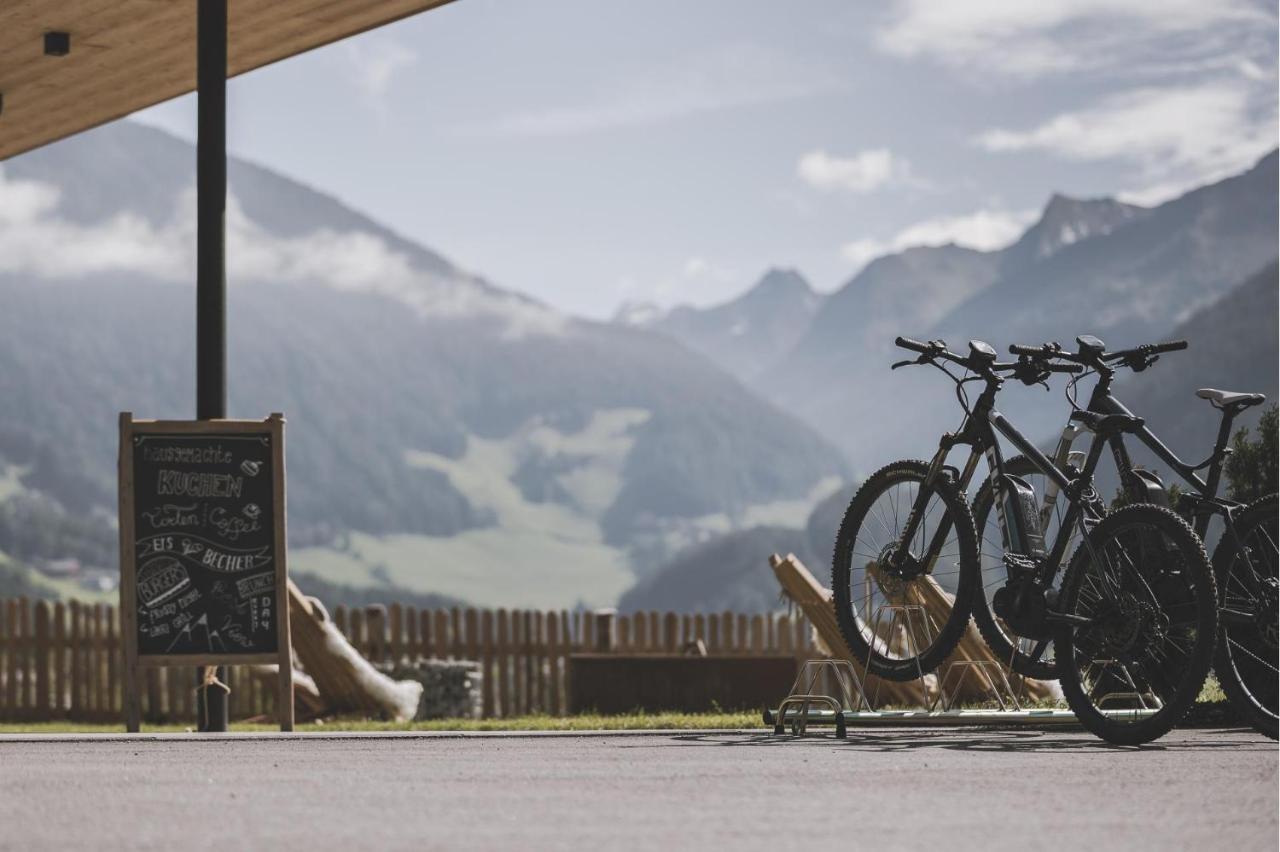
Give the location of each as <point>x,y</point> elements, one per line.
<point>924,358</point>
<point>1142,362</point>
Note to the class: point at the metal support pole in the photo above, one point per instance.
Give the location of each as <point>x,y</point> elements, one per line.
<point>211,280</point>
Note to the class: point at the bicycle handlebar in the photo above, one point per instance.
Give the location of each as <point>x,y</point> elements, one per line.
<point>1146,350</point>
<point>914,345</point>
<point>1138,358</point>
<point>1048,350</point>
<point>1026,369</point>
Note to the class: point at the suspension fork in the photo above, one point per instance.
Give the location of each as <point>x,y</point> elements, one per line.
<point>937,468</point>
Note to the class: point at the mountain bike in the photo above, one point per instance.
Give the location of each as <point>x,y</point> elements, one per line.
<point>1133,623</point>
<point>1244,560</point>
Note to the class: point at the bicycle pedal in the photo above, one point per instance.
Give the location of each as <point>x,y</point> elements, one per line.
<point>1018,564</point>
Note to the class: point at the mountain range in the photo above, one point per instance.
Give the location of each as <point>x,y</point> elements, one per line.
<point>444,435</point>
<point>1126,273</point>
<point>746,334</point>
<point>451,438</point>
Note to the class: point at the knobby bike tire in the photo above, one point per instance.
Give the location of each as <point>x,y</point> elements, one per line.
<point>1196,578</point>
<point>1246,664</point>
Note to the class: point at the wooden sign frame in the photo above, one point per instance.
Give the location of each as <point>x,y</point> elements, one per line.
<point>133,661</point>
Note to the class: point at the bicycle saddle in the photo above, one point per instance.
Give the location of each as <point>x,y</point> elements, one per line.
<point>1232,399</point>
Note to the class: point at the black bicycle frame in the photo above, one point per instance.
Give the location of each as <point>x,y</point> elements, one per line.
<point>979,432</point>
<point>1103,402</point>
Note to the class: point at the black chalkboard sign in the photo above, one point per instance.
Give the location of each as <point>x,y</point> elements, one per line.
<point>202,532</point>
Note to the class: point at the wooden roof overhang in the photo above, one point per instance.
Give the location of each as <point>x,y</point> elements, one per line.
<point>126,55</point>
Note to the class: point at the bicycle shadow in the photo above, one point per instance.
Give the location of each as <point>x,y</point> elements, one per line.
<point>988,740</point>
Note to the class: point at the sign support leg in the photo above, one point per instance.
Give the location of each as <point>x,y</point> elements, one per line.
<point>128,597</point>
<point>211,283</point>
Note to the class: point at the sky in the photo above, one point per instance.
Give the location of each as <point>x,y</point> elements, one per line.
<point>592,153</point>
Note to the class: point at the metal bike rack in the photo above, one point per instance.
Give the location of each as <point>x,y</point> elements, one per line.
<point>1134,694</point>
<point>982,668</point>
<point>902,617</point>
<point>803,695</point>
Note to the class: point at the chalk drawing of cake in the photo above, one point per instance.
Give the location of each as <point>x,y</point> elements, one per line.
<point>161,579</point>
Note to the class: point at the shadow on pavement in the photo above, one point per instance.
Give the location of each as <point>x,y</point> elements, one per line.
<point>977,740</point>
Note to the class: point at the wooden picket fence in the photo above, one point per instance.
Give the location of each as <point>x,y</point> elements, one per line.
<point>62,661</point>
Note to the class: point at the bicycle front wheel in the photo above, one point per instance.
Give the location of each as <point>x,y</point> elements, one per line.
<point>1246,661</point>
<point>902,614</point>
<point>1143,622</point>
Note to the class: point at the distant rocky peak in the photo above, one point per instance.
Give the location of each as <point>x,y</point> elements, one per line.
<point>638,314</point>
<point>1067,220</point>
<point>782,281</point>
<point>779,289</point>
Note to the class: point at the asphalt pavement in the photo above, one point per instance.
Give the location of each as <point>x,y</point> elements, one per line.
<point>935,789</point>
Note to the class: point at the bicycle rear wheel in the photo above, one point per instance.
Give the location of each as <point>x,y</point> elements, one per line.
<point>902,619</point>
<point>1246,660</point>
<point>1143,585</point>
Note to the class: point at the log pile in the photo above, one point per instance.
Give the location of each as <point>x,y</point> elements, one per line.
<point>343,680</point>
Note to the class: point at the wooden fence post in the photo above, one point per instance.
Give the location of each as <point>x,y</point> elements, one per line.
<point>411,645</point>
<point>42,708</point>
<point>376,623</point>
<point>28,699</point>
<point>11,634</point>
<point>486,662</point>
<point>502,678</point>
<point>639,633</point>
<point>4,659</point>
<point>519,707</point>
<point>425,648</point>
<point>563,649</point>
<point>605,640</point>
<point>553,663</point>
<point>395,622</point>
<point>115,660</point>
<point>60,660</point>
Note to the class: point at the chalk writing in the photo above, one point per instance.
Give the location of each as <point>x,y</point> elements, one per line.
<point>205,567</point>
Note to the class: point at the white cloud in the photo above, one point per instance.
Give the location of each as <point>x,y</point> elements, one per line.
<point>723,78</point>
<point>985,230</point>
<point>1034,37</point>
<point>862,251</point>
<point>1203,131</point>
<point>376,64</point>
<point>24,201</point>
<point>864,171</point>
<point>376,61</point>
<point>36,242</point>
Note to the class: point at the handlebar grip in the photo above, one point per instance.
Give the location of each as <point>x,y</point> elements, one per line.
<point>1064,368</point>
<point>1171,346</point>
<point>913,345</point>
<point>1033,351</point>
